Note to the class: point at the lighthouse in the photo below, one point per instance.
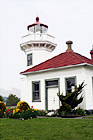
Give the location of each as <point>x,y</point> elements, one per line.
<point>42,80</point>
<point>37,44</point>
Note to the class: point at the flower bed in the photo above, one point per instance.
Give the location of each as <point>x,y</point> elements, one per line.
<point>22,111</point>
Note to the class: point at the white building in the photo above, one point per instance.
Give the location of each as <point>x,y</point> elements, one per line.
<point>45,76</point>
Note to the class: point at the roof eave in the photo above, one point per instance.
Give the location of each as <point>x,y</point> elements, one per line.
<point>51,69</point>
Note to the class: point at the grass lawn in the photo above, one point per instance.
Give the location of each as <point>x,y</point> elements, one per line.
<point>88,117</point>
<point>46,129</point>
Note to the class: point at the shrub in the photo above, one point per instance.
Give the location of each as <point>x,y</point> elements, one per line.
<point>79,111</point>
<point>63,113</point>
<point>65,108</point>
<point>92,112</point>
<point>88,112</point>
<point>12,112</point>
<point>31,113</point>
<point>40,112</point>
<point>28,114</point>
<point>16,115</point>
<point>24,114</point>
<point>1,114</point>
<point>70,100</point>
<point>2,106</point>
<point>23,105</point>
<point>8,113</point>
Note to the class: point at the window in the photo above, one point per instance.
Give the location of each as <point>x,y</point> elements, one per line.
<point>29,59</point>
<point>36,91</point>
<point>70,85</point>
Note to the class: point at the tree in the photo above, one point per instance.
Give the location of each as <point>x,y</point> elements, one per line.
<point>1,98</point>
<point>12,100</point>
<point>70,100</point>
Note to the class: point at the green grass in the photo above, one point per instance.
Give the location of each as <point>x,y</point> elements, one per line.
<point>88,117</point>
<point>46,129</point>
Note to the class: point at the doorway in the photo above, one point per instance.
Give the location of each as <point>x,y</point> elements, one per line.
<point>52,99</point>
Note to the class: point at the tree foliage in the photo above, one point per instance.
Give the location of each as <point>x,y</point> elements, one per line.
<point>12,100</point>
<point>1,98</point>
<point>71,100</point>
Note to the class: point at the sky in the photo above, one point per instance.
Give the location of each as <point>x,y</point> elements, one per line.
<point>66,20</point>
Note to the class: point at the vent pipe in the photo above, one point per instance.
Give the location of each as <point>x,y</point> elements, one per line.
<point>69,48</point>
<point>91,52</point>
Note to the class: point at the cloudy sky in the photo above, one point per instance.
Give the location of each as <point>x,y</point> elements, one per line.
<point>66,20</point>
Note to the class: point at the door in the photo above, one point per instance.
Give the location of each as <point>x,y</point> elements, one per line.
<point>53,99</point>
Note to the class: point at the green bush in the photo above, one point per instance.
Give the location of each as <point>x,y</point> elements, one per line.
<point>21,114</point>
<point>41,113</point>
<point>25,114</point>
<point>79,111</point>
<point>8,113</point>
<point>63,113</point>
<point>65,108</point>
<point>91,112</point>
<point>28,114</point>
<point>23,105</point>
<point>32,113</point>
<point>88,112</point>
<point>70,100</point>
<point>74,113</point>
<point>2,106</point>
<point>1,114</point>
<point>16,115</point>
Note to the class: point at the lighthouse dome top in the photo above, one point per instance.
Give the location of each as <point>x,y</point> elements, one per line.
<point>37,27</point>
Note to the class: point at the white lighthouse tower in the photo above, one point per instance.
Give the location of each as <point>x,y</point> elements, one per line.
<point>37,45</point>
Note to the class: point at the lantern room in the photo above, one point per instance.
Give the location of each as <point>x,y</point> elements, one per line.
<point>37,44</point>
<point>37,27</point>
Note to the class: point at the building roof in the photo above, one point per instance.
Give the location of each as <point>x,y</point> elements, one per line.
<point>68,58</point>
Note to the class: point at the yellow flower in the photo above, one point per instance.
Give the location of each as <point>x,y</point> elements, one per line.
<point>1,102</point>
<point>35,109</point>
<point>20,102</point>
<point>13,111</point>
<point>11,108</point>
<point>2,105</point>
<point>17,110</point>
<point>22,105</point>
